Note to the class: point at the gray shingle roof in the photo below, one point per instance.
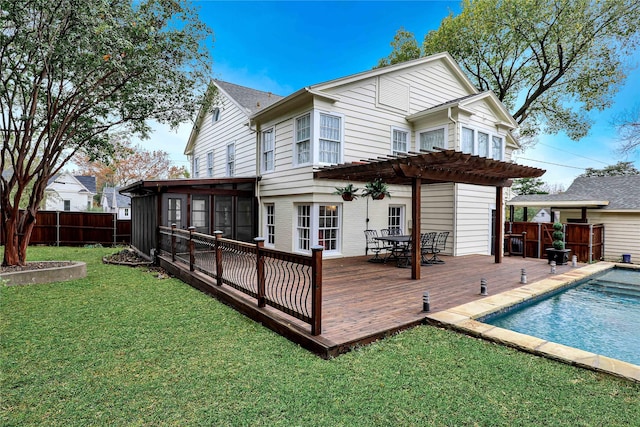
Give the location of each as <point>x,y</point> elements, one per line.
<point>622,192</point>
<point>250,99</point>
<point>89,182</point>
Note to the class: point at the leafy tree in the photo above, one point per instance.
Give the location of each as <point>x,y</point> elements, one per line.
<point>522,186</point>
<point>619,169</point>
<point>549,61</point>
<point>129,164</point>
<point>74,73</point>
<point>405,48</point>
<point>628,124</point>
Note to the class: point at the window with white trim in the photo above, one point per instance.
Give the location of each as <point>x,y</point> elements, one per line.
<point>318,224</point>
<point>468,136</point>
<point>330,138</point>
<point>483,144</point>
<point>400,141</point>
<point>67,205</point>
<point>215,115</point>
<point>396,216</point>
<point>270,223</point>
<point>231,159</point>
<point>431,139</point>
<point>303,228</point>
<point>268,150</point>
<point>303,139</point>
<point>497,148</point>
<point>196,172</point>
<point>210,164</point>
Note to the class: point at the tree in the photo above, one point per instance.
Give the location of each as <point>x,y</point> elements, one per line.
<point>405,48</point>
<point>129,164</point>
<point>549,61</point>
<point>522,186</point>
<point>619,169</point>
<point>628,125</point>
<point>74,73</point>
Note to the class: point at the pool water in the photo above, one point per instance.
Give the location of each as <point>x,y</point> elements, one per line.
<point>601,315</point>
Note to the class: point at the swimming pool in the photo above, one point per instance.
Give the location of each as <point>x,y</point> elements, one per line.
<point>599,315</point>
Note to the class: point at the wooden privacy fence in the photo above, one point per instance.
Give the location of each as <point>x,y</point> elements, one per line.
<point>290,283</point>
<point>64,228</point>
<point>586,241</point>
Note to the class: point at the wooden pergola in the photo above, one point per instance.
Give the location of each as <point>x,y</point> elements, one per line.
<point>441,166</point>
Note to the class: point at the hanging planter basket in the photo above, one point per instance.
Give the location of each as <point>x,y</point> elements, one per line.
<point>347,197</point>
<point>378,196</point>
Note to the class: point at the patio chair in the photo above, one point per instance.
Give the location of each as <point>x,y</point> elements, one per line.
<point>427,241</point>
<point>402,254</point>
<point>384,232</point>
<point>395,231</point>
<point>373,245</point>
<point>438,246</point>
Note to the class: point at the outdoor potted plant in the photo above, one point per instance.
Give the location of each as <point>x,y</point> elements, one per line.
<point>376,189</point>
<point>557,252</point>
<point>348,192</point>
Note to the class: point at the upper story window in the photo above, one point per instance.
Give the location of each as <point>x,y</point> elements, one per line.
<point>330,138</point>
<point>318,138</point>
<point>215,115</point>
<point>400,141</point>
<point>210,164</point>
<point>482,143</point>
<point>268,149</point>
<point>432,139</point>
<point>231,159</point>
<point>303,139</point>
<point>196,161</point>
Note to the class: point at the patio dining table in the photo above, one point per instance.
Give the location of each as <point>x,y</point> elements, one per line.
<point>399,244</point>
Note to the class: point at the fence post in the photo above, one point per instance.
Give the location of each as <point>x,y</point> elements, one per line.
<point>260,271</point>
<point>173,242</point>
<point>524,244</point>
<point>539,240</point>
<point>590,243</point>
<point>57,228</point>
<point>192,251</point>
<point>316,290</point>
<point>218,235</point>
<point>115,228</point>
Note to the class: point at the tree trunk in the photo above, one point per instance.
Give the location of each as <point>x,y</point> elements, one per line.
<point>17,232</point>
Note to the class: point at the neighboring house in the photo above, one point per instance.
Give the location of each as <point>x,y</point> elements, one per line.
<point>66,192</point>
<point>610,200</point>
<point>114,202</point>
<point>542,215</point>
<point>269,147</point>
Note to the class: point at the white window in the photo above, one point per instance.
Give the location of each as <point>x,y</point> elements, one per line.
<point>467,140</point>
<point>483,144</point>
<point>303,228</point>
<point>196,161</point>
<point>231,159</point>
<point>215,115</point>
<point>270,224</point>
<point>210,164</point>
<point>396,216</point>
<point>303,139</point>
<point>400,142</point>
<point>199,214</point>
<point>268,145</point>
<point>318,224</point>
<point>126,211</point>
<point>330,138</point>
<point>431,139</point>
<point>497,148</point>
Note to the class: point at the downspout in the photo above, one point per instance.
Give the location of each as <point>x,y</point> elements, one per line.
<point>455,187</point>
<point>259,178</point>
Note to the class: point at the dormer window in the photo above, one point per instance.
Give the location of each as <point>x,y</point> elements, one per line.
<point>215,115</point>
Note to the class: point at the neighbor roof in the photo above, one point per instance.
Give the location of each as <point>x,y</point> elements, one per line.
<point>610,193</point>
<point>89,182</point>
<point>122,201</point>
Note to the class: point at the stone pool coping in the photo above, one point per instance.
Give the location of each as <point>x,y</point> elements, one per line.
<point>463,319</point>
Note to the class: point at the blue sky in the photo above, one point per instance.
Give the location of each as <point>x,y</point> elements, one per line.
<point>285,45</point>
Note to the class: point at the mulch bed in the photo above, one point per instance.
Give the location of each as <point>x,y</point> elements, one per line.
<point>35,265</point>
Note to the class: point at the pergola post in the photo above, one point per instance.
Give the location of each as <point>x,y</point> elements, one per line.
<point>497,244</point>
<point>416,186</point>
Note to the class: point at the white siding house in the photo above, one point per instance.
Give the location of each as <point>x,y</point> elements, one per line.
<point>420,105</point>
<point>66,192</point>
<point>114,202</point>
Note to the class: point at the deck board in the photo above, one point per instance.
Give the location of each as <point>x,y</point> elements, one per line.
<point>364,301</point>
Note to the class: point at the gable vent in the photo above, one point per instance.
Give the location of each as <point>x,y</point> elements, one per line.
<point>393,94</point>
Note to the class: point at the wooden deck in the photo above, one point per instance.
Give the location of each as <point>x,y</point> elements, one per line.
<point>363,301</point>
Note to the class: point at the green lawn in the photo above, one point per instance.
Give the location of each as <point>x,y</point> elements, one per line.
<point>122,347</point>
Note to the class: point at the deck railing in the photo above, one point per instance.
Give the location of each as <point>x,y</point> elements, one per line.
<point>291,283</point>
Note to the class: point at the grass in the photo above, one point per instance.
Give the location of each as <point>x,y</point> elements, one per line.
<point>122,347</point>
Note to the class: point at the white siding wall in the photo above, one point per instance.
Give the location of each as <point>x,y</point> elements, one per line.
<point>64,188</point>
<point>231,127</point>
<point>473,219</point>
<point>437,211</point>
